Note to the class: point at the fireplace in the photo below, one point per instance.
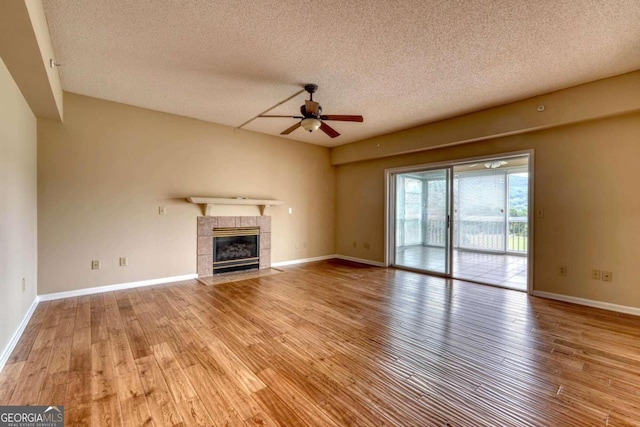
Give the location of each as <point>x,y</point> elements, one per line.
<point>206,227</point>
<point>235,249</point>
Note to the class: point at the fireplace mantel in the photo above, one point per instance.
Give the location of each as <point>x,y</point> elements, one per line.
<point>210,202</point>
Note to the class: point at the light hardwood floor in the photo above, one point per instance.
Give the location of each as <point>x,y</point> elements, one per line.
<point>328,344</point>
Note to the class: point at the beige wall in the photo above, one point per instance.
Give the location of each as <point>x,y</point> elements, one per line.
<point>591,101</point>
<point>18,207</point>
<point>586,179</point>
<point>25,48</point>
<point>103,173</point>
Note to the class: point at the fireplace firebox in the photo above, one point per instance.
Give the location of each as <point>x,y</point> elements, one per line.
<point>235,249</point>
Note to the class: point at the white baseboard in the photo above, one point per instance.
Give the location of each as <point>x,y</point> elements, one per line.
<point>361,261</point>
<point>589,303</point>
<point>303,260</point>
<point>118,287</point>
<point>326,257</point>
<point>17,334</point>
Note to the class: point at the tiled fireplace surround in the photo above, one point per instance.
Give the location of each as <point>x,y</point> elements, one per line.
<point>206,224</point>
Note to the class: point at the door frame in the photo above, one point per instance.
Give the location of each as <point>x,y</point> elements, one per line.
<point>389,209</point>
<point>449,238</point>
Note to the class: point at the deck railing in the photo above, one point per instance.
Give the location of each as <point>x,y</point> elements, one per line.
<point>518,234</point>
<point>475,233</point>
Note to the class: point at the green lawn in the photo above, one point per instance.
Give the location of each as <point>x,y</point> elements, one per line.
<point>518,243</point>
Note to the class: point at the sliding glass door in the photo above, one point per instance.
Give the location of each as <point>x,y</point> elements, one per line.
<point>467,219</point>
<point>422,220</point>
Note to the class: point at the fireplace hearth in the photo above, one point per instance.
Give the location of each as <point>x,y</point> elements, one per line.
<point>235,249</point>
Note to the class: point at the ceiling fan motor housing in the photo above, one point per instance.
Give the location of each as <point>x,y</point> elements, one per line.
<point>303,111</point>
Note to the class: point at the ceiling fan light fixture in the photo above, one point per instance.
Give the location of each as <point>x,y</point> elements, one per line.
<point>310,124</point>
<point>495,164</point>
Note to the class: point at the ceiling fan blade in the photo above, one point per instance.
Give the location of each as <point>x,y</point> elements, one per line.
<point>291,129</point>
<point>328,130</point>
<point>343,118</point>
<point>286,117</point>
<point>311,107</point>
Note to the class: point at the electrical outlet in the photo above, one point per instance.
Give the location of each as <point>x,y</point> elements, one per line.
<point>595,274</point>
<point>562,270</point>
<point>95,264</point>
<point>297,245</point>
<point>124,261</point>
<point>607,276</point>
<point>540,213</point>
<point>366,245</point>
<point>24,284</point>
<point>355,245</point>
<point>162,210</point>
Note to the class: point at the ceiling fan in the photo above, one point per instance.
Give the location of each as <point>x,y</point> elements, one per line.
<point>312,117</point>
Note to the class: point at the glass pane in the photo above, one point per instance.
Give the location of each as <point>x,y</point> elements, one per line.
<point>422,203</point>
<point>518,211</point>
<point>413,211</point>
<point>436,235</point>
<point>481,210</point>
<point>490,228</point>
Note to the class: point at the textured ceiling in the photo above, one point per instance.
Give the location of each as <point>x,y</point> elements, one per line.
<point>398,63</point>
